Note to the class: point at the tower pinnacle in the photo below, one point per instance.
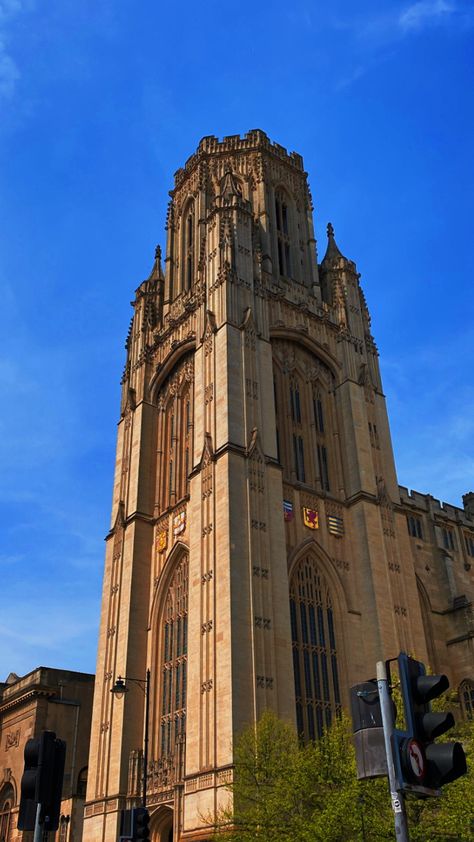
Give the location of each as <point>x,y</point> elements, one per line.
<point>332,250</point>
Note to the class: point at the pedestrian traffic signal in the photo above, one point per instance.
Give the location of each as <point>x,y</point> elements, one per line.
<point>42,782</point>
<point>140,824</point>
<point>421,764</point>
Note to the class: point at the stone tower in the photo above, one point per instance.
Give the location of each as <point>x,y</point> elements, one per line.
<point>258,556</point>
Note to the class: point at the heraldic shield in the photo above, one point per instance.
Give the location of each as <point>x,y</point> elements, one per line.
<point>310,518</point>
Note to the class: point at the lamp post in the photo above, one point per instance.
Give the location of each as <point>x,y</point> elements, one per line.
<point>118,690</point>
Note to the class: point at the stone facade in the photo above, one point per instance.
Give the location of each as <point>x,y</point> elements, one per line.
<point>259,553</point>
<point>52,700</point>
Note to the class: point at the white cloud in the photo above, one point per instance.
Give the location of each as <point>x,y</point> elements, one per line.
<point>8,8</point>
<point>379,35</point>
<point>9,73</point>
<point>50,628</point>
<point>424,13</point>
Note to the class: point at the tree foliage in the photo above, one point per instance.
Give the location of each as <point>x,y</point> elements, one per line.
<point>285,791</point>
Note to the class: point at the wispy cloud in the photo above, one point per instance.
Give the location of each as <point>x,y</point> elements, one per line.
<point>67,624</point>
<point>377,37</point>
<point>425,13</point>
<point>9,71</point>
<point>9,8</point>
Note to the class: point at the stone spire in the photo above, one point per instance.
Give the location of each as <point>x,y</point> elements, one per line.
<point>332,251</point>
<point>157,272</point>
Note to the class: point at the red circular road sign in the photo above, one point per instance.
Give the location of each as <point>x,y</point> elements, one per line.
<point>415,759</point>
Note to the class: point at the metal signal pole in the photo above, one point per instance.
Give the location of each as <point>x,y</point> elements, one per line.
<point>396,794</point>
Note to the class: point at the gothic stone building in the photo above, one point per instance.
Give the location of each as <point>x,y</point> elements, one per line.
<point>261,553</point>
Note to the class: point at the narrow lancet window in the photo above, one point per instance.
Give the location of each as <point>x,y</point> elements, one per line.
<point>283,234</point>
<point>188,248</point>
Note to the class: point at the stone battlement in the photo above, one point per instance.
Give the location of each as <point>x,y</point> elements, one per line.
<point>255,139</point>
<point>431,504</point>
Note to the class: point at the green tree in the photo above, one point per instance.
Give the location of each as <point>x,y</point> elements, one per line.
<point>285,791</point>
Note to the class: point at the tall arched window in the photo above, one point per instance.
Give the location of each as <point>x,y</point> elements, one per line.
<point>188,247</point>
<point>306,418</point>
<point>466,697</point>
<point>297,431</point>
<point>282,216</point>
<point>173,661</point>
<point>175,434</point>
<point>315,650</point>
<point>7,798</point>
<point>320,427</point>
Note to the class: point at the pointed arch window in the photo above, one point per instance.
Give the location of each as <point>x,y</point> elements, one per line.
<point>295,401</point>
<point>295,395</point>
<point>173,661</point>
<point>466,697</point>
<point>283,234</point>
<point>315,651</point>
<point>306,419</point>
<point>175,436</point>
<point>188,247</point>
<point>321,447</point>
<point>7,800</point>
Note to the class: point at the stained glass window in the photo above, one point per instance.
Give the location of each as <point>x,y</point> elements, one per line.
<point>314,640</point>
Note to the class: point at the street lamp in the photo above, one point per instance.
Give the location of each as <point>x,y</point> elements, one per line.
<point>118,690</point>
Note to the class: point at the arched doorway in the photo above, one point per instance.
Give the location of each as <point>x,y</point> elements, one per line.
<point>161,825</point>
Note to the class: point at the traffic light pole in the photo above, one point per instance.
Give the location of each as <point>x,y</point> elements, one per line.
<point>396,794</point>
<point>38,835</point>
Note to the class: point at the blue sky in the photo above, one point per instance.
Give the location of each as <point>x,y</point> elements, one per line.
<point>100,102</point>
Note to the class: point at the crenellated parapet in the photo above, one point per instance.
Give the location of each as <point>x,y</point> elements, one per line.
<point>255,140</point>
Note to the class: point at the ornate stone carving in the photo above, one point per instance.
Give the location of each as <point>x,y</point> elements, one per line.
<point>12,739</point>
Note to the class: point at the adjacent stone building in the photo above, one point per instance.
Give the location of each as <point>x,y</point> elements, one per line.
<point>261,553</point>
<point>51,700</point>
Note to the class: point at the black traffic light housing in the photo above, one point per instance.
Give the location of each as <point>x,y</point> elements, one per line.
<point>140,824</point>
<point>29,785</point>
<point>42,782</point>
<point>421,765</point>
<point>371,760</point>
<point>134,825</point>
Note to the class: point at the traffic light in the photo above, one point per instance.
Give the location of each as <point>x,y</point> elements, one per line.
<point>422,765</point>
<point>371,760</point>
<point>42,782</point>
<point>125,834</point>
<point>53,764</point>
<point>29,785</point>
<point>140,824</point>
